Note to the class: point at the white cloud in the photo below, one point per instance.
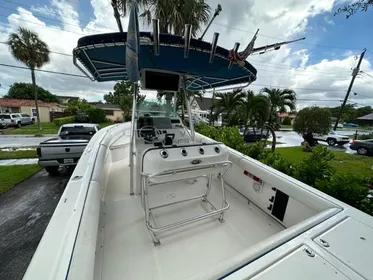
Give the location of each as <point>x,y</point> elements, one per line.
<point>288,66</point>
<point>328,20</point>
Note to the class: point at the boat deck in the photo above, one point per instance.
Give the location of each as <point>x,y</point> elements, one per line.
<point>127,248</point>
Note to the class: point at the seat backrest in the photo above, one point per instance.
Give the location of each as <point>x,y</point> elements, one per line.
<point>183,156</point>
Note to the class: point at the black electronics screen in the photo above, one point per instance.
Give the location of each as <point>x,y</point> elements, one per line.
<point>162,122</point>
<point>161,81</point>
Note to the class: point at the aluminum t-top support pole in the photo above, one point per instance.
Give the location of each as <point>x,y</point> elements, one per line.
<point>187,100</point>
<point>133,128</point>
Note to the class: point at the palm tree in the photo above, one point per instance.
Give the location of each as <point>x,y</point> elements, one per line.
<point>172,15</point>
<point>229,103</point>
<point>27,47</point>
<point>279,101</point>
<point>254,110</point>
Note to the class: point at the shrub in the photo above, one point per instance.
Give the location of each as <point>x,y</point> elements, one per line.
<point>96,115</point>
<point>365,136</point>
<point>286,121</point>
<point>315,167</point>
<point>64,120</point>
<point>277,162</point>
<point>348,188</point>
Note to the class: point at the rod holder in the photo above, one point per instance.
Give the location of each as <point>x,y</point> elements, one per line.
<point>156,36</point>
<point>214,44</point>
<point>235,50</point>
<point>187,37</point>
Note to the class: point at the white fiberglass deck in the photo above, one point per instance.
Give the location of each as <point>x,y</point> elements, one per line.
<point>129,253</point>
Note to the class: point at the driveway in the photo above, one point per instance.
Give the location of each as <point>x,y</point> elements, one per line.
<point>25,212</point>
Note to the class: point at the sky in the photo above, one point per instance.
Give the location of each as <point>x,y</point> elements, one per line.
<point>318,69</point>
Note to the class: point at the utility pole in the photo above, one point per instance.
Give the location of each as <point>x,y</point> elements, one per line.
<point>355,72</point>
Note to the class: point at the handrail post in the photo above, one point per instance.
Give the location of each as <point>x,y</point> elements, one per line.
<point>187,100</point>
<point>132,170</point>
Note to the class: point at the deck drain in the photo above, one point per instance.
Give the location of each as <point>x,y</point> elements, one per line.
<point>76,178</point>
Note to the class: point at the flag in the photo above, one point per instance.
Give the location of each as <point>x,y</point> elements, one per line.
<point>133,45</point>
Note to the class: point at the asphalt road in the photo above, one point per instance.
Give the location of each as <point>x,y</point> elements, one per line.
<point>25,212</point>
<point>7,141</point>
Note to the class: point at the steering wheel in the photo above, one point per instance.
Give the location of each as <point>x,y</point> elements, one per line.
<point>151,135</point>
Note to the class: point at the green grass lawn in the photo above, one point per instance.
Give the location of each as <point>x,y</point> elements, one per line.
<point>342,162</point>
<point>286,126</point>
<point>18,154</point>
<point>12,175</point>
<point>48,128</point>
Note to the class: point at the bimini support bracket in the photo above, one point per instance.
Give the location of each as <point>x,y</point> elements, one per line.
<point>81,69</point>
<point>156,36</point>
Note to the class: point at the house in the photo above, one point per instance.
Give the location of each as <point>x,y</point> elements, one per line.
<point>281,116</point>
<point>202,106</point>
<point>66,99</point>
<point>366,120</point>
<point>26,106</point>
<point>113,111</point>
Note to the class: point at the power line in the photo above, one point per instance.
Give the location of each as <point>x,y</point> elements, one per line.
<point>46,71</point>
<point>277,38</point>
<point>56,20</point>
<point>289,87</point>
<point>216,23</point>
<point>52,27</point>
<point>65,54</point>
<point>31,7</point>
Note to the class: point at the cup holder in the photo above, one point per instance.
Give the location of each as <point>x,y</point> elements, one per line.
<point>164,154</point>
<point>217,149</point>
<point>201,150</point>
<point>184,152</point>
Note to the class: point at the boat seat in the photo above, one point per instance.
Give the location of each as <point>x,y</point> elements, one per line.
<point>167,165</point>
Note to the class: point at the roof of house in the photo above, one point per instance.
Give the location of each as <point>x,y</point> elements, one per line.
<point>67,97</point>
<point>11,102</point>
<point>204,103</point>
<point>105,106</point>
<point>368,117</point>
<point>283,115</point>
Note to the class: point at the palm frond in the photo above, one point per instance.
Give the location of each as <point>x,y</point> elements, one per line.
<point>27,47</point>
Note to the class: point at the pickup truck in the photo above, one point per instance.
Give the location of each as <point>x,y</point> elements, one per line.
<point>332,138</point>
<point>66,149</point>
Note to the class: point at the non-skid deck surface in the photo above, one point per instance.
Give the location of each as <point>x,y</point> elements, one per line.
<point>128,250</point>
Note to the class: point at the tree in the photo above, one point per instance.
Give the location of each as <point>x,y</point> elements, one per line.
<point>312,120</point>
<point>172,15</point>
<point>286,121</point>
<point>350,113</point>
<point>229,103</point>
<point>349,10</point>
<point>363,111</point>
<point>279,101</point>
<point>26,91</point>
<point>123,96</point>
<point>26,47</point>
<point>254,110</point>
<point>181,102</point>
<point>78,106</point>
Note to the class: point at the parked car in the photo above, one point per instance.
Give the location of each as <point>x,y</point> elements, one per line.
<point>254,136</point>
<point>339,125</point>
<point>82,118</point>
<point>363,147</point>
<point>10,119</point>
<point>26,119</point>
<point>67,148</point>
<point>350,124</point>
<point>332,138</point>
